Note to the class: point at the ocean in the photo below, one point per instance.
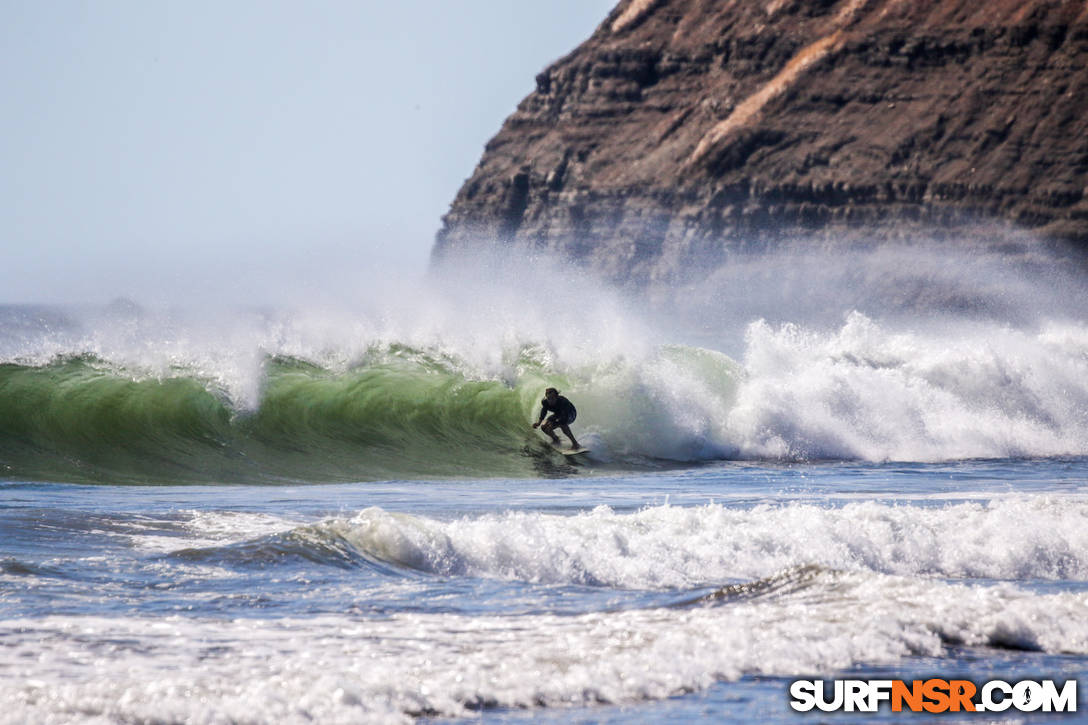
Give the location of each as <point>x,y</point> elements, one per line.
<point>861,465</point>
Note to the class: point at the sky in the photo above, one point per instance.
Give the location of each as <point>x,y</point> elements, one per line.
<point>167,149</point>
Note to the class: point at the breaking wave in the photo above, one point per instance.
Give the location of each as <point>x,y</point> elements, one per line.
<point>444,381</point>
<point>1028,537</point>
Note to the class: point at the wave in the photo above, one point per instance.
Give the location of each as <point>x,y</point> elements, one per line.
<point>858,392</point>
<point>408,664</point>
<point>684,548</point>
<point>873,356</point>
<point>83,419</point>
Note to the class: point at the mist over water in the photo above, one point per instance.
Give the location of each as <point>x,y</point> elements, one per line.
<point>1014,282</point>
<point>925,352</point>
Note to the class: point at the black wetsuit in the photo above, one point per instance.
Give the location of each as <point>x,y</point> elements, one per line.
<point>563,412</point>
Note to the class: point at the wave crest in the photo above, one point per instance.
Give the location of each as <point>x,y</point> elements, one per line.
<point>858,391</point>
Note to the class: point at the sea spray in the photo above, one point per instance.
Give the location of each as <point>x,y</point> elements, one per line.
<point>867,392</point>
<point>787,356</point>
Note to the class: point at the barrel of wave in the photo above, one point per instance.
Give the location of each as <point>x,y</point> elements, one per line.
<point>672,405</point>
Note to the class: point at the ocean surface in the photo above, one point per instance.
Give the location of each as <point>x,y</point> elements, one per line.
<point>866,465</point>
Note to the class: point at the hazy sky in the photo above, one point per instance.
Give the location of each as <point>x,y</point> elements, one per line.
<point>160,149</point>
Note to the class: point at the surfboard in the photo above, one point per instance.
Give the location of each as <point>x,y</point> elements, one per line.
<point>565,451</point>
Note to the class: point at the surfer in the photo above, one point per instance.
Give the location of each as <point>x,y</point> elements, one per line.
<point>562,415</point>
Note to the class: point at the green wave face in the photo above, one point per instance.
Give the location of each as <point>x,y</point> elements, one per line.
<point>385,419</point>
<point>76,420</point>
<point>399,415</point>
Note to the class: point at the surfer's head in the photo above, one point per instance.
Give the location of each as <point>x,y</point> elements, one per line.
<point>551,393</point>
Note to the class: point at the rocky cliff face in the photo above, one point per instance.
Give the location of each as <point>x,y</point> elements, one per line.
<point>684,128</point>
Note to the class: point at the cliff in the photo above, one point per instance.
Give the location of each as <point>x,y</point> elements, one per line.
<point>684,128</point>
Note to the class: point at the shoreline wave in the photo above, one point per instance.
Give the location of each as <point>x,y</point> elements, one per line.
<point>669,548</point>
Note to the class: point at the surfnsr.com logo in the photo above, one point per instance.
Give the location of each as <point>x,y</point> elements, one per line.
<point>933,695</point>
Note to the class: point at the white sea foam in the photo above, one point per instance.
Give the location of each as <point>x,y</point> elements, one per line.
<point>1016,538</point>
<point>868,392</point>
<point>335,669</point>
<point>198,529</point>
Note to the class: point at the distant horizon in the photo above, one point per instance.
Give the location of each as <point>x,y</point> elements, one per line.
<point>159,153</point>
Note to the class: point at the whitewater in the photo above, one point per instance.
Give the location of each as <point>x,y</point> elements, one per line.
<point>867,462</point>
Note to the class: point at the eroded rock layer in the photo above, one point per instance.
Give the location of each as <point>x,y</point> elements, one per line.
<point>683,128</point>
